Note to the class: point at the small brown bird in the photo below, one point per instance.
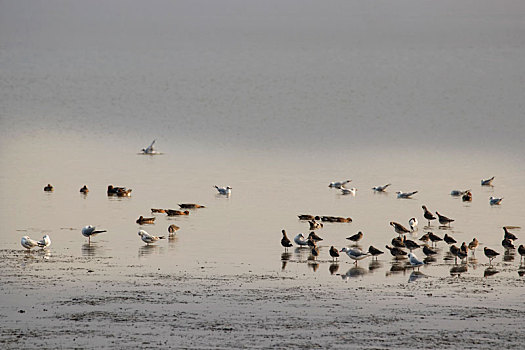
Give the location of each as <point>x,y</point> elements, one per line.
<point>448,239</point>
<point>398,242</point>
<point>334,253</point>
<point>428,251</point>
<point>285,241</point>
<point>427,214</point>
<point>190,206</point>
<point>48,188</point>
<point>84,189</point>
<point>308,217</point>
<point>467,197</point>
<point>490,253</point>
<point>142,220</point>
<point>172,229</point>
<point>473,245</point>
<point>314,225</point>
<point>314,237</point>
<point>171,212</point>
<point>154,210</point>
<point>454,251</point>
<point>374,251</point>
<point>521,251</point>
<point>509,235</point>
<point>425,237</point>
<point>464,247</point>
<point>355,238</point>
<point>397,252</point>
<point>434,238</point>
<point>410,244</point>
<point>399,228</point>
<point>507,244</point>
<point>315,251</point>
<point>443,220</point>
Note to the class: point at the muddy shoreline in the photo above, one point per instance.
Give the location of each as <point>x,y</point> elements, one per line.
<point>78,303</point>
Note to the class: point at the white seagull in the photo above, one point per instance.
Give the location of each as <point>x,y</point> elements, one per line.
<point>355,254</point>
<point>44,242</point>
<point>495,201</point>
<point>28,243</point>
<point>147,238</point>
<point>380,188</point>
<point>149,149</point>
<point>401,194</point>
<point>414,261</point>
<point>88,231</point>
<point>224,190</point>
<point>300,240</point>
<point>413,224</point>
<point>339,184</point>
<point>487,182</point>
<point>349,191</point>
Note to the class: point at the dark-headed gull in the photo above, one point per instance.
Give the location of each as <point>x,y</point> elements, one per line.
<point>149,149</point>
<point>495,200</point>
<point>224,190</point>
<point>380,188</point>
<point>339,184</point>
<point>88,231</point>
<point>405,195</point>
<point>413,224</point>
<point>355,254</point>
<point>147,238</point>
<point>28,243</point>
<point>487,182</point>
<point>414,261</point>
<point>44,242</point>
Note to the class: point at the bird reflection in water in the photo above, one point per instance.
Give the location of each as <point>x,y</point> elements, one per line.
<point>333,268</point>
<point>284,259</point>
<point>302,253</point>
<point>91,250</point>
<point>374,265</point>
<point>415,275</point>
<point>457,270</point>
<point>429,260</point>
<point>396,268</point>
<point>314,265</point>
<point>509,254</point>
<point>149,249</point>
<point>354,272</point>
<point>490,271</point>
<point>521,271</point>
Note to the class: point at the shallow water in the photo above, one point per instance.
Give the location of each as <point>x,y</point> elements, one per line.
<point>273,101</point>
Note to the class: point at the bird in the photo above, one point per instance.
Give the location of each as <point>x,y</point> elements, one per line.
<point>155,210</point>
<point>487,182</point>
<point>172,229</point>
<point>490,253</point>
<point>413,224</point>
<point>380,188</point>
<point>314,225</point>
<point>44,242</point>
<point>147,238</point>
<point>142,220</point>
<point>351,191</point>
<point>398,242</point>
<point>464,247</point>
<point>454,250</point>
<point>149,149</point>
<point>399,228</point>
<point>396,252</point>
<point>355,254</point>
<point>84,189</point>
<point>495,200</point>
<point>285,241</point>
<point>457,193</point>
<point>427,214</point>
<point>308,217</point>
<point>448,239</point>
<point>314,237</point>
<point>507,244</point>
<point>300,240</point>
<point>28,243</point>
<point>339,184</point>
<point>425,237</point>
<point>414,261</point>
<point>49,188</point>
<point>336,219</point>
<point>355,238</point>
<point>434,238</point>
<point>467,197</point>
<point>410,244</point>
<point>473,245</point>
<point>171,212</point>
<point>190,206</point>
<point>374,251</point>
<point>509,235</point>
<point>521,251</point>
<point>224,190</point>
<point>315,251</point>
<point>428,251</point>
<point>334,253</point>
<point>443,220</point>
<point>406,195</point>
<point>88,231</point>
<point>119,191</point>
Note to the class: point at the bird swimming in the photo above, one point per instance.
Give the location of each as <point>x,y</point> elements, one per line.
<point>224,190</point>
<point>467,197</point>
<point>49,188</point>
<point>351,191</point>
<point>190,206</point>
<point>495,200</point>
<point>457,193</point>
<point>314,225</point>
<point>380,188</point>
<point>88,231</point>
<point>149,149</point>
<point>406,195</point>
<point>142,220</point>
<point>171,212</point>
<point>487,182</point>
<point>147,238</point>
<point>339,184</point>
<point>84,189</point>
<point>172,229</point>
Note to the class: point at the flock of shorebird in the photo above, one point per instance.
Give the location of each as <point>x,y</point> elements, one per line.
<point>400,243</point>
<point>90,231</point>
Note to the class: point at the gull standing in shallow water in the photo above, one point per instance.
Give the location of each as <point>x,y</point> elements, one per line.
<point>355,254</point>
<point>44,242</point>
<point>147,238</point>
<point>405,195</point>
<point>88,231</point>
<point>414,261</point>
<point>300,240</point>
<point>28,243</point>
<point>224,190</point>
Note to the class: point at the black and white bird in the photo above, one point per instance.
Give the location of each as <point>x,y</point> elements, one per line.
<point>355,254</point>
<point>405,195</point>
<point>149,149</point>
<point>300,240</point>
<point>380,188</point>
<point>495,200</point>
<point>339,184</point>
<point>413,224</point>
<point>224,190</point>
<point>414,261</point>
<point>88,231</point>
<point>148,238</point>
<point>487,182</point>
<point>44,242</point>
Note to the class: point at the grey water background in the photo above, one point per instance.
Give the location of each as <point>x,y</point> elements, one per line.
<point>274,98</point>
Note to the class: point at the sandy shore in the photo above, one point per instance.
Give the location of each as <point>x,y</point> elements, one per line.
<point>70,302</point>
